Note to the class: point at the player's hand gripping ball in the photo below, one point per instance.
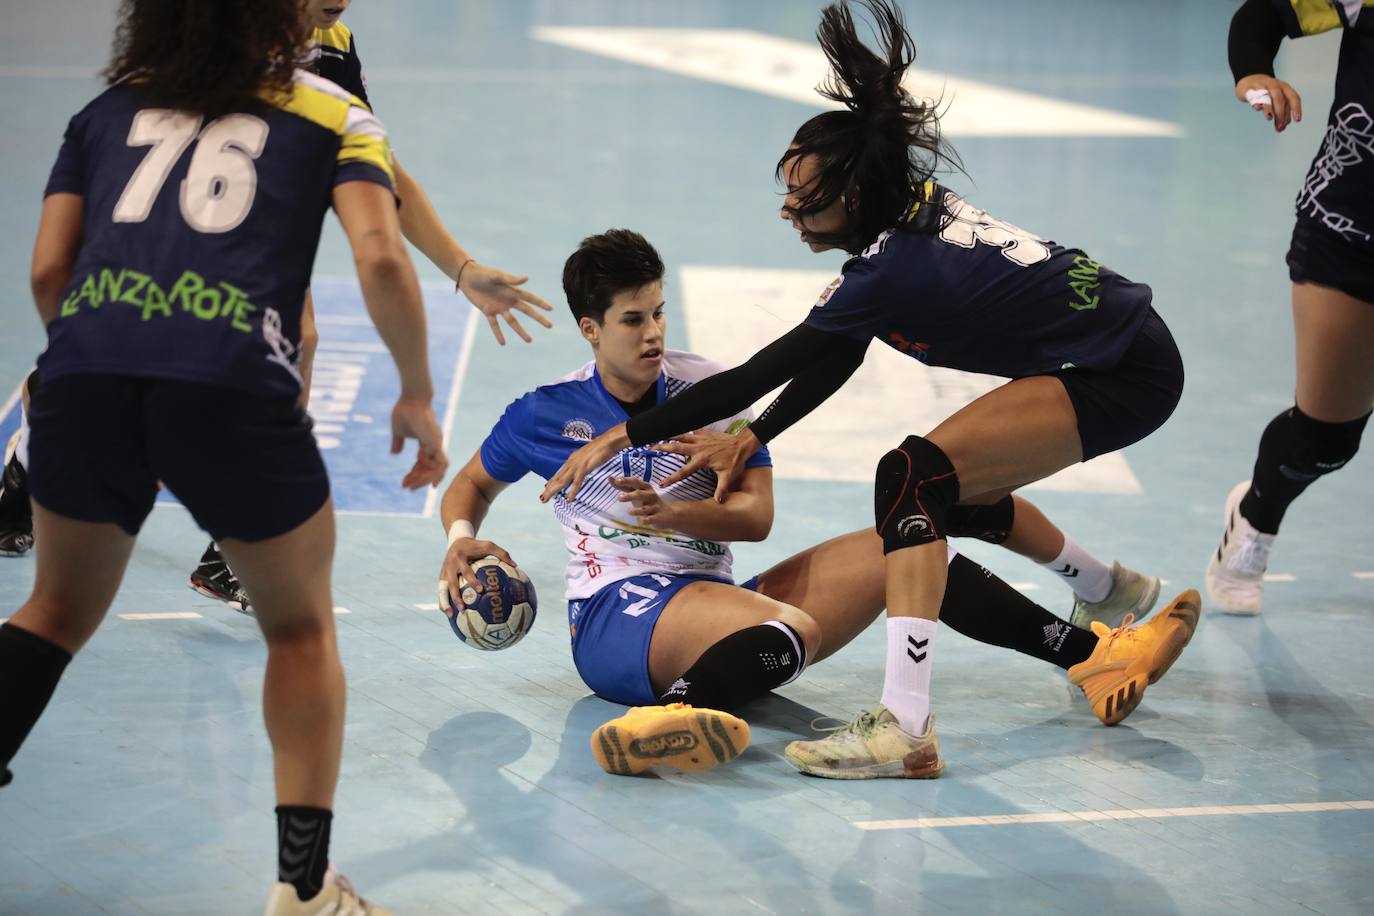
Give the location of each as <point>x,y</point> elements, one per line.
<point>498,611</point>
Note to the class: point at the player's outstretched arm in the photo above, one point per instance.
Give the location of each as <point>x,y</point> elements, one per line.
<point>495,293</point>
<point>1254,38</point>
<point>54,252</point>
<point>746,513</point>
<point>391,291</point>
<point>462,511</point>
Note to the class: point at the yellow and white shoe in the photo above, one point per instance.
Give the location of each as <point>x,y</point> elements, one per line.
<point>677,735</point>
<point>1129,658</point>
<point>336,898</point>
<point>872,746</point>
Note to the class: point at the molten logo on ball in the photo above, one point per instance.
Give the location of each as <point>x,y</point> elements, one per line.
<point>496,610</point>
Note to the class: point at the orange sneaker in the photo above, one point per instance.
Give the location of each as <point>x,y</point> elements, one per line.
<point>1128,659</point>
<point>676,735</point>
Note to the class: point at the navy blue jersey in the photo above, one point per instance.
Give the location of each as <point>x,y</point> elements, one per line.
<point>333,54</point>
<point>198,239</point>
<point>959,288</point>
<point>1338,192</point>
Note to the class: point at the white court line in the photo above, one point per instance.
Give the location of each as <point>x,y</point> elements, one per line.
<point>1280,577</point>
<point>427,607</point>
<point>1124,814</point>
<point>791,70</point>
<point>1024,586</point>
<point>171,615</point>
<point>9,404</point>
<point>1363,575</point>
<point>342,610</point>
<point>464,357</point>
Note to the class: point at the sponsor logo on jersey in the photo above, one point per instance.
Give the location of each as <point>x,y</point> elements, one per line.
<point>829,291</point>
<point>578,429</point>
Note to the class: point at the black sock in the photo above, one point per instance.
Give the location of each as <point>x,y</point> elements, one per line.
<point>1293,452</point>
<point>303,847</point>
<point>30,667</point>
<point>983,607</point>
<point>744,665</point>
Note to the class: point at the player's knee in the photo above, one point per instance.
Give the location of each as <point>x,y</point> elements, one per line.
<point>986,523</point>
<point>806,627</point>
<point>1310,448</point>
<point>914,489</point>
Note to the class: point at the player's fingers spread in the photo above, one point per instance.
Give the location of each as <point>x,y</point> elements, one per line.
<point>500,554</point>
<point>535,299</point>
<point>496,329</point>
<point>516,327</point>
<point>1280,103</point>
<point>534,313</point>
<point>682,473</point>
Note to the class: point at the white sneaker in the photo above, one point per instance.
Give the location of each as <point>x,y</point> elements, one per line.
<point>1131,593</point>
<point>1235,574</point>
<point>336,898</point>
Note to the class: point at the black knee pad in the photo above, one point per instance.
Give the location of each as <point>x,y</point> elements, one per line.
<point>914,489</point>
<point>986,523</point>
<point>1306,448</point>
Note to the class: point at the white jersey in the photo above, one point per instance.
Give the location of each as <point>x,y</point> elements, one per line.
<point>605,542</point>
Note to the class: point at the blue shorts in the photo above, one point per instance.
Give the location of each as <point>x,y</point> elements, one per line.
<point>612,629</point>
<point>246,466</point>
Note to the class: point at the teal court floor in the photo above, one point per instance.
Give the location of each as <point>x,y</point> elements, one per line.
<point>1243,784</point>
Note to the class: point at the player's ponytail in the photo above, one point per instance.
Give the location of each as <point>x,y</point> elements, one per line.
<point>883,144</point>
<point>209,56</point>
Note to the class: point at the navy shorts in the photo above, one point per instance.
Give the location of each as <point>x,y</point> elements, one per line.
<point>246,466</point>
<point>1119,406</point>
<point>612,629</point>
<point>1318,255</point>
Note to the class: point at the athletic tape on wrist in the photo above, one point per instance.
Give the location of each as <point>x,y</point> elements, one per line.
<point>462,528</point>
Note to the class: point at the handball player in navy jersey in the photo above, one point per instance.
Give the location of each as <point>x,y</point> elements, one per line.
<point>177,236</point>
<point>1091,366</point>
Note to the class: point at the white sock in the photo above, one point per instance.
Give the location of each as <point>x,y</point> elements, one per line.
<point>906,683</point>
<point>1089,577</point>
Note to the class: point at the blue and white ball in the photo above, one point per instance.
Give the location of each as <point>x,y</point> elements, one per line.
<point>498,611</point>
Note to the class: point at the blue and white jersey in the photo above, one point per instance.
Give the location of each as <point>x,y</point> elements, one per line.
<point>605,542</point>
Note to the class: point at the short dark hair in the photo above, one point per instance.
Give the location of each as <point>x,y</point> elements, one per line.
<point>613,262</point>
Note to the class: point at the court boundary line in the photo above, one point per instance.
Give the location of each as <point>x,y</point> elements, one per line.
<point>1122,814</point>
<point>455,391</point>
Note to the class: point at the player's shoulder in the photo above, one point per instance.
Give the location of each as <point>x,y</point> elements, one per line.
<point>570,386</point>
<point>685,366</point>
<point>337,37</point>
<point>325,103</point>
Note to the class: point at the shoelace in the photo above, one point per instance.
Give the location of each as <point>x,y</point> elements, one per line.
<point>860,725</point>
<point>1251,557</point>
<point>1123,631</point>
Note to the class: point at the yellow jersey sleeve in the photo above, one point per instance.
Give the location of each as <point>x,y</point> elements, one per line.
<point>364,151</point>
<point>1312,17</point>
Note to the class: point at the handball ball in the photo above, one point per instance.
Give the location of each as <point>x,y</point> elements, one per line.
<point>498,611</point>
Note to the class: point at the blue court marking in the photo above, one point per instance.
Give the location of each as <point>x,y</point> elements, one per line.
<point>355,386</point>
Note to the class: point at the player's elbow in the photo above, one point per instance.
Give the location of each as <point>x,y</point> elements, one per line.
<point>48,278</point>
<point>757,524</point>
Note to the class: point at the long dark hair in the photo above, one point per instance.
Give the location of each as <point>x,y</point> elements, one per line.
<point>884,145</point>
<point>210,56</point>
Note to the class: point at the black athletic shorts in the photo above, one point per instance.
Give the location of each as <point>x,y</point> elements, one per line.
<point>1318,255</point>
<point>246,466</point>
<point>1122,405</point>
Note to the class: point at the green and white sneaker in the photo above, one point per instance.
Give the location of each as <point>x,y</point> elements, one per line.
<point>870,747</point>
<point>1131,593</point>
